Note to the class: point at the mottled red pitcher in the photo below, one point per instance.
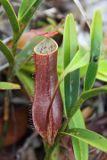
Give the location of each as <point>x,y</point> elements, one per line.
<point>47,119</point>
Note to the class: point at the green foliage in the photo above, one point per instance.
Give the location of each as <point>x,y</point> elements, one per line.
<point>96,42</point>
<point>88,137</point>
<point>72,84</point>
<point>92,92</point>
<point>102,71</point>
<point>11,15</point>
<point>8,86</point>
<point>25,54</point>
<point>7,53</point>
<point>26,11</point>
<point>80,147</point>
<point>70,46</point>
<point>80,59</point>
<point>27,81</point>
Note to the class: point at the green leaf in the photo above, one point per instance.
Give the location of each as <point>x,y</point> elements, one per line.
<point>96,43</point>
<point>92,92</point>
<point>8,86</point>
<point>84,96</point>
<point>29,67</point>
<point>25,54</point>
<point>102,70</point>
<point>88,137</point>
<point>80,148</point>
<point>55,153</point>
<point>102,76</point>
<point>27,81</point>
<point>102,66</point>
<point>7,53</point>
<point>80,59</point>
<point>70,46</point>
<point>25,6</point>
<point>11,15</point>
<point>26,11</point>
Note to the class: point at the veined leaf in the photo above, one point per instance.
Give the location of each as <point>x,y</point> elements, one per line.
<point>11,15</point>
<point>8,86</point>
<point>80,148</point>
<point>7,53</point>
<point>26,11</point>
<point>96,42</point>
<point>70,46</point>
<point>88,137</point>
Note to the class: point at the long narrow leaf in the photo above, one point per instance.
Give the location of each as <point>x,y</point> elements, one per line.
<point>85,96</point>
<point>8,86</point>
<point>25,6</point>
<point>80,59</point>
<point>70,46</point>
<point>101,73</point>
<point>80,148</point>
<point>88,137</point>
<point>7,53</point>
<point>71,85</point>
<point>96,42</point>
<point>11,15</point>
<point>93,92</point>
<point>26,11</point>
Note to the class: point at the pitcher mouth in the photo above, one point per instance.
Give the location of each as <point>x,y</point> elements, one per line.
<point>47,46</point>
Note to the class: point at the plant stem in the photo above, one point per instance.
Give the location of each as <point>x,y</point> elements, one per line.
<point>50,149</point>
